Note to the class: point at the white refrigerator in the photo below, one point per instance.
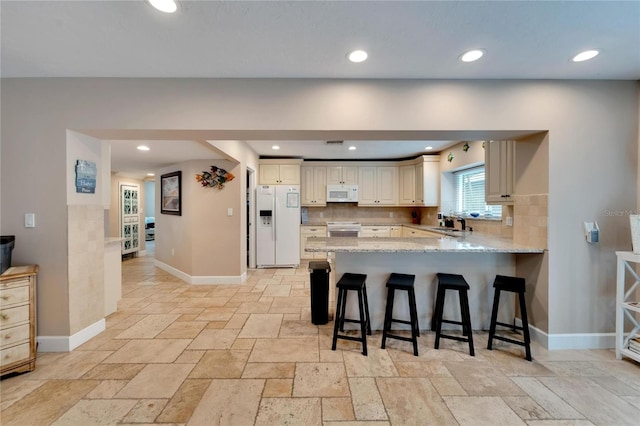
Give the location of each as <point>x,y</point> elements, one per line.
<point>278,228</point>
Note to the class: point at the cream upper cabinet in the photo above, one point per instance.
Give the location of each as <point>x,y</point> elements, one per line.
<point>378,185</point>
<point>346,175</point>
<point>408,185</point>
<point>279,174</point>
<point>313,186</point>
<point>428,181</point>
<point>499,171</point>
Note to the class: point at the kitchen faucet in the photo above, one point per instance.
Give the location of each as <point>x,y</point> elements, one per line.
<point>463,222</point>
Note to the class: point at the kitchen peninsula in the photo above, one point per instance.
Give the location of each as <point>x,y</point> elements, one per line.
<point>478,257</point>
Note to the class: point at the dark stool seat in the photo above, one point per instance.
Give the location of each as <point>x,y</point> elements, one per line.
<point>352,282</point>
<point>401,282</point>
<point>457,283</point>
<point>514,285</point>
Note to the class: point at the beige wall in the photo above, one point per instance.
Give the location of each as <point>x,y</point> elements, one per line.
<point>593,138</point>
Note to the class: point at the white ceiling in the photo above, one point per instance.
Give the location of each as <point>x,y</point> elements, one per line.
<point>309,39</point>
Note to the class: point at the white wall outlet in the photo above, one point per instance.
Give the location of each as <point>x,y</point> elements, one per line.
<point>391,214</point>
<point>509,221</point>
<point>230,211</point>
<point>321,214</point>
<point>173,252</point>
<point>29,220</point>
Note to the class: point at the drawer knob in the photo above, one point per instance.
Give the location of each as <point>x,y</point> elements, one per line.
<point>5,297</point>
<point>7,336</point>
<point>4,316</point>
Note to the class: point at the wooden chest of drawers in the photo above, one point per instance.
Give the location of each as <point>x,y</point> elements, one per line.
<point>18,319</point>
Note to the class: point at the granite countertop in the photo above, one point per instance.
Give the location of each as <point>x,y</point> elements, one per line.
<point>469,242</point>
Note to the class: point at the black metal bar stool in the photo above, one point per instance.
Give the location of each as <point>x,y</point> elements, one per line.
<point>401,282</point>
<point>459,284</point>
<point>514,285</point>
<point>354,282</point>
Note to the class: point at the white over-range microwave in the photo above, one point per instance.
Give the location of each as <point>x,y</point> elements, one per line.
<point>342,193</point>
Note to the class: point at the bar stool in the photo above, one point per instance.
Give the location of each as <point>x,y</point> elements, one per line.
<point>514,285</point>
<point>459,284</point>
<point>354,282</point>
<point>401,282</point>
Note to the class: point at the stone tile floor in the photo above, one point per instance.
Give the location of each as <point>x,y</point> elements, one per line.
<point>248,354</point>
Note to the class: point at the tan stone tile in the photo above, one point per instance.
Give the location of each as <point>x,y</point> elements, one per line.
<point>291,317</point>
<point>482,410</point>
<point>320,379</point>
<point>376,364</point>
<point>96,411</point>
<point>149,327</point>
<point>295,349</point>
<point>72,365</point>
<point>184,401</point>
<point>559,423</point>
<point>290,411</point>
<point>217,314</point>
<point>447,386</point>
<point>357,423</point>
<point>145,411</point>
<point>190,357</point>
<point>237,321</point>
<point>367,402</point>
<point>13,389</point>
<point>548,400</point>
<point>158,308</point>
<point>224,364</point>
<point>526,408</point>
<point>182,330</point>
<point>422,369</point>
<point>113,372</point>
<point>246,344</point>
<point>156,381</point>
<point>279,290</point>
<point>214,339</point>
<point>229,402</point>
<point>106,389</point>
<point>298,328</point>
<point>149,351</point>
<point>246,297</point>
<point>254,307</point>
<point>205,302</point>
<point>48,402</point>
<point>327,355</point>
<point>593,401</point>
<point>214,325</point>
<point>482,378</point>
<point>261,326</point>
<point>266,370</point>
<point>337,409</point>
<point>277,388</point>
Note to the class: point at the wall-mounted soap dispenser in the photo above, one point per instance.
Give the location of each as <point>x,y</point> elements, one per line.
<point>592,232</point>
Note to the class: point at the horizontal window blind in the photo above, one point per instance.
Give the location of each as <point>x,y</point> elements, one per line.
<point>470,193</point>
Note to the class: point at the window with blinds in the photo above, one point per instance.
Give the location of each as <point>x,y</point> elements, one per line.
<point>470,193</point>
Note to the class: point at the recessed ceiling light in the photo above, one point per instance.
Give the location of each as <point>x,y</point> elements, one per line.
<point>472,55</point>
<point>357,56</point>
<point>428,148</point>
<point>585,56</point>
<point>275,147</point>
<point>151,174</point>
<point>167,6</point>
<point>143,148</point>
<point>352,148</point>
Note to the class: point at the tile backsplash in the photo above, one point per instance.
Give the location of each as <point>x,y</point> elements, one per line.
<point>373,215</point>
<point>530,219</point>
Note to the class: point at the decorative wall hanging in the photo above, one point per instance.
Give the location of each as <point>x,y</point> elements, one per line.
<point>170,191</point>
<point>465,147</point>
<point>86,173</point>
<point>216,178</point>
<point>450,157</point>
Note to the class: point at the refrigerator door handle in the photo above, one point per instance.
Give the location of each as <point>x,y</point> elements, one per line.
<point>275,219</point>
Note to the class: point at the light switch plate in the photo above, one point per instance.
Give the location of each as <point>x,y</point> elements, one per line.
<point>29,220</point>
<point>230,211</point>
<point>509,221</point>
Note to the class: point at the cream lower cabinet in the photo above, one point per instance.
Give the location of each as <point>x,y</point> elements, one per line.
<point>18,319</point>
<point>395,231</point>
<point>375,231</point>
<point>311,232</point>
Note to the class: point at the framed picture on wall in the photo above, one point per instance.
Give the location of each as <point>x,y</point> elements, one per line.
<point>170,192</point>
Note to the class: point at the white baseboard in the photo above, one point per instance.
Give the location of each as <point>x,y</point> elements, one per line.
<point>69,343</point>
<point>560,341</point>
<point>200,280</point>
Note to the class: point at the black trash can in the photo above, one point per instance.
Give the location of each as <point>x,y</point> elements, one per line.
<point>319,291</point>
<point>6,246</point>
